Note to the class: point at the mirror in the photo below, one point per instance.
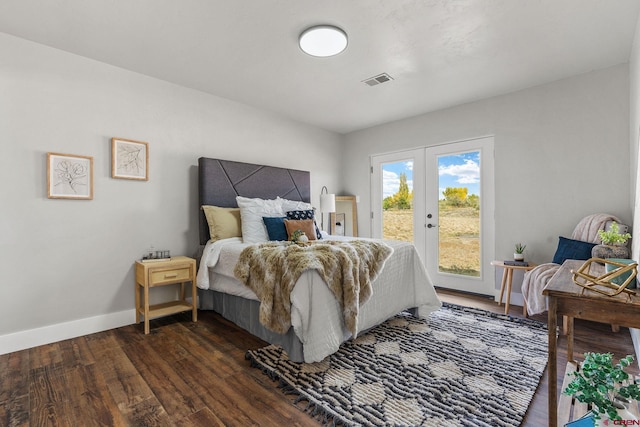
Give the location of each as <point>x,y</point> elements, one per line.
<point>344,222</point>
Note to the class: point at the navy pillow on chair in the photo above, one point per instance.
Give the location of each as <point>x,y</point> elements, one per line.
<point>305,214</point>
<point>275,228</point>
<point>572,249</point>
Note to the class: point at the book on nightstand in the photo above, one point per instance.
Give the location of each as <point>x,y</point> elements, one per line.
<point>154,259</point>
<point>516,263</point>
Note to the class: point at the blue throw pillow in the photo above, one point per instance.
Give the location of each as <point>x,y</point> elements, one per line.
<point>572,249</point>
<point>275,228</point>
<point>305,214</point>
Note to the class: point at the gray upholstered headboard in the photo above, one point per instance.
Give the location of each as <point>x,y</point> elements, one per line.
<point>220,181</point>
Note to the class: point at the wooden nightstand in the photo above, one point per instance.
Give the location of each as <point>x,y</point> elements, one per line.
<point>178,269</point>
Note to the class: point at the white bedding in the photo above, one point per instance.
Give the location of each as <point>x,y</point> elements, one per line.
<point>315,313</point>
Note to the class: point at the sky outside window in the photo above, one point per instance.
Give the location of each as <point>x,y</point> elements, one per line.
<point>456,170</point>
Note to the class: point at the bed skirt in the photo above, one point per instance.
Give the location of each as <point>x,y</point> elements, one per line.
<point>245,313</point>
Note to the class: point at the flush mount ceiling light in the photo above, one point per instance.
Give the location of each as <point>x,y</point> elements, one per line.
<point>323,40</point>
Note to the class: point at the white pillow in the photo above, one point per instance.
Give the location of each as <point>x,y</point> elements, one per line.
<point>294,205</point>
<point>251,213</point>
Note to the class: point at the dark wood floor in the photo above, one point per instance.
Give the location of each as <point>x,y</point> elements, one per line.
<point>185,374</point>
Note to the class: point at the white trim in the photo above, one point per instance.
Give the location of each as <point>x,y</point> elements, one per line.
<point>516,298</point>
<point>61,331</point>
<point>484,284</point>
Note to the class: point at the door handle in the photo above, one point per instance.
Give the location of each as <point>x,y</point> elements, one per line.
<point>431,226</point>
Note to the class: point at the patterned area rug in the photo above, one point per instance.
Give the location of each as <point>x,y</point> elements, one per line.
<point>459,367</point>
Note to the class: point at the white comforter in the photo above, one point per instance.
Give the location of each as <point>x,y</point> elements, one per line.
<point>315,313</point>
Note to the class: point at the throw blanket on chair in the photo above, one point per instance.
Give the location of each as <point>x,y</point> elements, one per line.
<point>272,269</point>
<point>587,228</point>
<point>536,279</point>
<point>534,282</point>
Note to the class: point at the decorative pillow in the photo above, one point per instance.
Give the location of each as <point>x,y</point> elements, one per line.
<point>305,214</point>
<point>572,249</point>
<point>275,228</point>
<point>251,213</point>
<point>294,205</point>
<point>223,222</point>
<point>305,225</point>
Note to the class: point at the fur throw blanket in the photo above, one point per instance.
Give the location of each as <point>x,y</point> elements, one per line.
<point>272,269</point>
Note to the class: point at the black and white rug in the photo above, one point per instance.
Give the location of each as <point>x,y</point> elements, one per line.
<point>459,367</point>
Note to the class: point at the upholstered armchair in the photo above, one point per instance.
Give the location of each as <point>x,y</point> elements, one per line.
<point>579,246</point>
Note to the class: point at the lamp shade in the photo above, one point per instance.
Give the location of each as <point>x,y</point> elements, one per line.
<point>327,203</point>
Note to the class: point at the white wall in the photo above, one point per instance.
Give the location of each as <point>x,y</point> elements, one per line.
<point>634,131</point>
<point>65,260</point>
<point>560,154</point>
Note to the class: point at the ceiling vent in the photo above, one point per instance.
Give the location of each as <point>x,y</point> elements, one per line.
<point>376,80</point>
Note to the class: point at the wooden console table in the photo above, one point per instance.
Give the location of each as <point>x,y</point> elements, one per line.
<point>568,299</point>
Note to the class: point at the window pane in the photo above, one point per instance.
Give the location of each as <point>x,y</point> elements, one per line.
<point>459,214</point>
<point>397,201</point>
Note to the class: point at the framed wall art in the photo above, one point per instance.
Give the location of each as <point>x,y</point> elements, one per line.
<point>69,176</point>
<point>129,159</point>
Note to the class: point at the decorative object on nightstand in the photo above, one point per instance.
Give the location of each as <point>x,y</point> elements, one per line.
<point>177,270</point>
<point>518,255</point>
<point>614,242</point>
<point>154,256</point>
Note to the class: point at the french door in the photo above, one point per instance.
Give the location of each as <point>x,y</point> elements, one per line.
<point>441,199</point>
<point>397,211</point>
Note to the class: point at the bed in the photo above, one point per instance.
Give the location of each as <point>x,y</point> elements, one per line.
<point>317,327</point>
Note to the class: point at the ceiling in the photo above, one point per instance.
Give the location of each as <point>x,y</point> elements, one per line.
<point>439,53</point>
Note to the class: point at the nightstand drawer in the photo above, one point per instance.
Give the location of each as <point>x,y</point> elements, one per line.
<point>169,276</point>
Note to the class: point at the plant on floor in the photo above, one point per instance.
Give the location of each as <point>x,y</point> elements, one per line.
<point>601,383</point>
<point>613,235</point>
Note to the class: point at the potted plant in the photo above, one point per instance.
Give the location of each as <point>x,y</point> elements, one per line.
<point>601,384</point>
<point>614,243</point>
<point>613,237</point>
<point>299,236</point>
<point>518,255</point>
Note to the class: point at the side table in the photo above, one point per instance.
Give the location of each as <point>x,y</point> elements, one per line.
<point>568,299</point>
<point>507,278</point>
<point>177,270</point>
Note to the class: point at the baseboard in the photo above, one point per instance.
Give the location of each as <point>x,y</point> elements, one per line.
<point>62,331</point>
<point>516,298</point>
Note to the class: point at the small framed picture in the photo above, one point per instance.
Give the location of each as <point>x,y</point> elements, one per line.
<point>69,176</point>
<point>129,159</point>
<point>340,225</point>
